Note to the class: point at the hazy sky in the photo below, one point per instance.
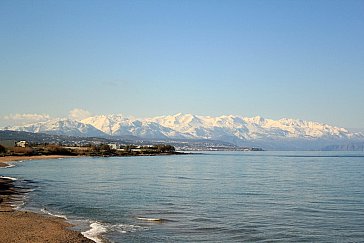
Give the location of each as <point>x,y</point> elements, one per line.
<point>296,59</point>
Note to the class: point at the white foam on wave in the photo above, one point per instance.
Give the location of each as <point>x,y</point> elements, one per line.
<point>8,177</point>
<point>9,165</point>
<point>18,201</point>
<point>18,205</point>
<point>97,229</point>
<point>94,233</point>
<point>150,219</point>
<point>126,228</point>
<point>43,210</point>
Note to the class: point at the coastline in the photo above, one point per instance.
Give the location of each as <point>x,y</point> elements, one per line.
<point>5,159</point>
<point>25,226</point>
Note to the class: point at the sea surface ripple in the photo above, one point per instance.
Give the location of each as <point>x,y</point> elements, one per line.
<point>214,197</point>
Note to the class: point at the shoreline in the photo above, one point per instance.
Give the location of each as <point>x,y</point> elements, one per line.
<point>4,161</point>
<point>25,226</point>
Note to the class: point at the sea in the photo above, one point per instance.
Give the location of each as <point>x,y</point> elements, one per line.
<point>207,197</point>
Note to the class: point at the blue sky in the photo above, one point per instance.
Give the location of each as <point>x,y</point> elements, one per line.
<point>296,59</point>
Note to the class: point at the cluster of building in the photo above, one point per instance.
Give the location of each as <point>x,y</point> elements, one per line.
<point>22,144</point>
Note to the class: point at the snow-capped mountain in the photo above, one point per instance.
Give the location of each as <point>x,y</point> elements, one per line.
<point>239,130</point>
<point>257,131</point>
<point>117,125</point>
<point>249,128</point>
<point>61,127</point>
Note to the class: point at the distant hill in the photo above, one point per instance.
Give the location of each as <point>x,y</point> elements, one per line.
<point>359,146</point>
<point>7,137</point>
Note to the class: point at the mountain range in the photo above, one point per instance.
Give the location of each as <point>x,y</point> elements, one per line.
<point>242,131</point>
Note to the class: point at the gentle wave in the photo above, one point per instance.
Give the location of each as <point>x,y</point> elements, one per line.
<point>125,228</point>
<point>43,210</point>
<point>18,201</point>
<point>159,220</point>
<point>16,206</point>
<point>8,177</point>
<point>11,164</point>
<point>19,198</point>
<point>95,231</point>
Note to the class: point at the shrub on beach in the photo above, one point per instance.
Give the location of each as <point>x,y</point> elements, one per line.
<point>2,149</point>
<point>56,149</point>
<point>21,150</point>
<point>164,148</point>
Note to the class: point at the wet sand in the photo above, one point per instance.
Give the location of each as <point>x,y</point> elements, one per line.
<point>23,226</point>
<point>19,226</point>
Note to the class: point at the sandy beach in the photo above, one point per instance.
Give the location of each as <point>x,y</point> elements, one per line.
<point>5,159</point>
<point>23,226</point>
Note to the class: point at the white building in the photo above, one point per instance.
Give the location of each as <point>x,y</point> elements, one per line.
<point>22,144</point>
<point>114,146</point>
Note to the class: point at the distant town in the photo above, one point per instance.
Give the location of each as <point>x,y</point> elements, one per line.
<point>28,149</point>
<point>14,143</point>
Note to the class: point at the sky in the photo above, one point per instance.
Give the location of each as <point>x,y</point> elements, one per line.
<point>275,59</point>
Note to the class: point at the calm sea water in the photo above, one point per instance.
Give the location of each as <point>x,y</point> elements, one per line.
<point>214,197</point>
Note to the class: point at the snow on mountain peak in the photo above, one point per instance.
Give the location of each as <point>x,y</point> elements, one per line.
<point>109,124</point>
<point>228,128</point>
<point>248,127</point>
<point>61,126</point>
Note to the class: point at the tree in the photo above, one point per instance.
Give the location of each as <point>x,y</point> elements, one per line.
<point>127,148</point>
<point>2,149</point>
<point>163,148</point>
<point>105,148</point>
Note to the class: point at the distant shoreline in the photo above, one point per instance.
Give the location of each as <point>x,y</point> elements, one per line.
<point>24,226</point>
<point>5,159</point>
